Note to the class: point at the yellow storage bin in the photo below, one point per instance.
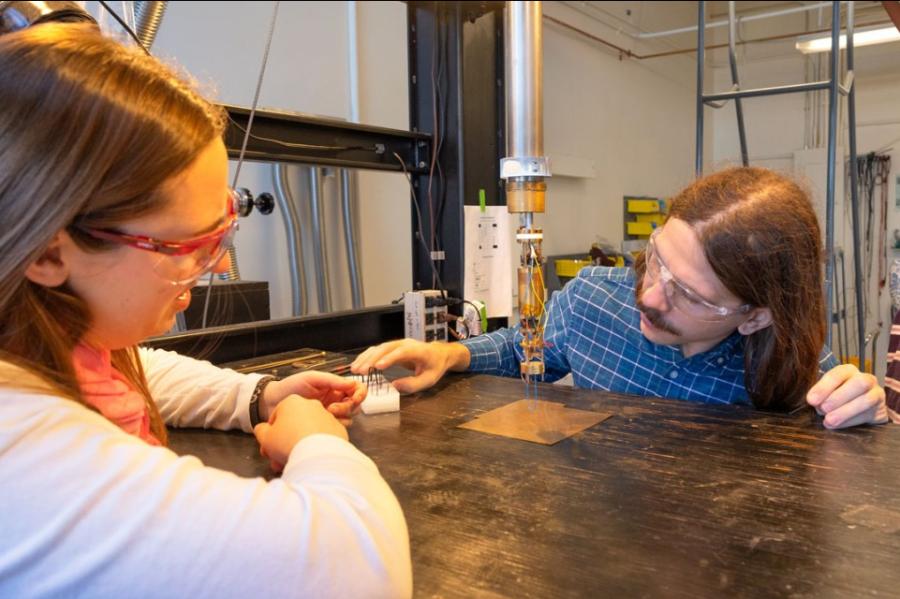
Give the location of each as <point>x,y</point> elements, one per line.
<point>656,219</point>
<point>640,228</point>
<point>638,206</point>
<point>567,268</point>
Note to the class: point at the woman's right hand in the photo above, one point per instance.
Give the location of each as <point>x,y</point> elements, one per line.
<point>428,361</point>
<point>294,418</point>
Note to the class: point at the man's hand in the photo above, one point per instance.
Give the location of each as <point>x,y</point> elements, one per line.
<point>847,397</point>
<point>428,361</point>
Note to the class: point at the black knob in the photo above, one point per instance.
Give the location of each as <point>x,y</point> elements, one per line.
<point>265,203</point>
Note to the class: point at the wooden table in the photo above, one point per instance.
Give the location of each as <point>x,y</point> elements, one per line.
<point>664,499</point>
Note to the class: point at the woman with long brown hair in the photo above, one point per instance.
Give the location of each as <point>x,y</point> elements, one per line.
<point>113,186</point>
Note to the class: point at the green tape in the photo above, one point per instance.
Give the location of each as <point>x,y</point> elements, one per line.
<point>482,199</point>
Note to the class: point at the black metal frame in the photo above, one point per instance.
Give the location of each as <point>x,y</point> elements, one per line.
<point>337,332</point>
<point>285,137</point>
<point>457,46</point>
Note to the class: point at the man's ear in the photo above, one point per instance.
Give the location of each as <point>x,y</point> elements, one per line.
<point>760,318</point>
<point>50,268</point>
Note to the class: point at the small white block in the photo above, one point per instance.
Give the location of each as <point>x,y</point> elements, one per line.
<point>383,399</point>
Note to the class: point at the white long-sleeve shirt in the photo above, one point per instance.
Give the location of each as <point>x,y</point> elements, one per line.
<point>87,510</point>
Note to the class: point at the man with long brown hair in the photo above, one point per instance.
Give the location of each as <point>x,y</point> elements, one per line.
<point>724,306</point>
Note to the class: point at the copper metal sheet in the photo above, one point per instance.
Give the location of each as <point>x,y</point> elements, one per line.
<point>537,421</point>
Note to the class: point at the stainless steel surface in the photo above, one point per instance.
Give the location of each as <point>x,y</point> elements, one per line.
<point>524,75</point>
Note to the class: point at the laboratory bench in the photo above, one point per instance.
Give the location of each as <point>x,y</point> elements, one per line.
<point>665,498</point>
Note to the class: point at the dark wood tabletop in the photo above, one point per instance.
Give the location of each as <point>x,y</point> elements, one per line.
<point>665,499</point>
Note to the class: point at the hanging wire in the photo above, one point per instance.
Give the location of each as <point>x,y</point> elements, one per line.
<point>259,81</point>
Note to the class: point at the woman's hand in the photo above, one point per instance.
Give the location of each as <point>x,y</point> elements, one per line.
<point>292,420</point>
<point>340,396</point>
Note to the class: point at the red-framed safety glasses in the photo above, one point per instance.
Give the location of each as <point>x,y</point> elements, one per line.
<point>185,261</point>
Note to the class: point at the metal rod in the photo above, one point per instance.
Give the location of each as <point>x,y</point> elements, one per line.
<point>843,284</point>
<point>524,72</point>
<point>874,335</point>
<point>768,91</point>
<point>323,288</point>
<point>346,195</point>
<point>293,234</point>
<point>701,57</point>
<point>738,107</point>
<point>840,312</point>
<point>832,149</point>
<point>854,194</point>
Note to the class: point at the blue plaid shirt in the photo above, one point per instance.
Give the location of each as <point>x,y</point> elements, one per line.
<point>593,331</point>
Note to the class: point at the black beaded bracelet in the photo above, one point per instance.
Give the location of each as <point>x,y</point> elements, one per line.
<point>254,399</point>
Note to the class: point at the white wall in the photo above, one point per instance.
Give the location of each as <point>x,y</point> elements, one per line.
<point>633,120</point>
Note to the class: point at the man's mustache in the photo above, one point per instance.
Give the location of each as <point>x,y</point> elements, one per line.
<point>656,318</point>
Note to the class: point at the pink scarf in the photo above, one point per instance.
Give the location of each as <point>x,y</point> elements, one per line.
<point>104,387</point>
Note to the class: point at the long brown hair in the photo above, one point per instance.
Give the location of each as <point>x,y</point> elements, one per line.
<point>89,130</point>
<point>760,234</point>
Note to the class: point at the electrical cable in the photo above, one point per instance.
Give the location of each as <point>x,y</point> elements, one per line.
<point>442,124</point>
<point>420,233</point>
<point>259,81</point>
<point>303,146</point>
<point>454,301</point>
<point>873,171</point>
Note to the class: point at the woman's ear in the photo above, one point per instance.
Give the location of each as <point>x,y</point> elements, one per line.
<point>759,319</point>
<point>50,268</point>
